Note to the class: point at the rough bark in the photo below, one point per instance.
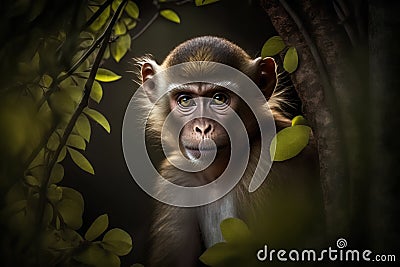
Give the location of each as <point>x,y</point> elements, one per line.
<point>326,84</point>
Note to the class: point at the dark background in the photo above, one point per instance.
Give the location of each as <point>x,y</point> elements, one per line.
<point>112,190</point>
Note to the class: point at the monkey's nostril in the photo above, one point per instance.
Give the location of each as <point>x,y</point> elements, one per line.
<point>203,130</point>
<point>198,130</point>
<point>207,129</point>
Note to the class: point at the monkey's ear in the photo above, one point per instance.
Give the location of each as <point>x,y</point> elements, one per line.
<point>267,76</point>
<point>148,69</point>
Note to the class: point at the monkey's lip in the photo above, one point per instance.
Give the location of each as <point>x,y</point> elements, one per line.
<point>203,148</point>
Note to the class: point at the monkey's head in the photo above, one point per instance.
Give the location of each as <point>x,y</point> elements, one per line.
<point>180,102</point>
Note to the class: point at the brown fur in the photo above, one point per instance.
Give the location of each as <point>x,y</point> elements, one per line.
<point>176,235</point>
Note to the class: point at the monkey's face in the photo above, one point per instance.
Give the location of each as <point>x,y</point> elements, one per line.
<point>202,107</point>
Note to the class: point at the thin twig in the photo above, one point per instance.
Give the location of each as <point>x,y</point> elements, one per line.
<point>77,113</point>
<point>155,16</point>
<point>343,14</point>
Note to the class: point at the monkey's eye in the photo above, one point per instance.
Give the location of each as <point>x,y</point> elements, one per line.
<point>185,101</point>
<point>219,99</point>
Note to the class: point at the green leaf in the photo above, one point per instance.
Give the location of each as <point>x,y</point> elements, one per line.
<point>71,213</point>
<point>62,155</point>
<point>119,28</point>
<point>61,103</point>
<point>170,15</point>
<point>98,117</point>
<point>205,2</point>
<point>83,127</point>
<point>31,180</point>
<point>234,230</point>
<point>54,193</point>
<point>120,47</point>
<point>80,160</point>
<point>291,60</point>
<point>95,255</point>
<point>45,81</point>
<point>101,20</point>
<point>117,241</point>
<point>104,75</point>
<point>299,120</point>
<point>71,207</point>
<point>53,142</point>
<point>97,228</point>
<point>272,46</point>
<point>289,142</point>
<point>216,255</point>
<point>73,195</point>
<point>76,141</point>
<point>57,174</point>
<point>115,4</point>
<point>132,9</point>
<point>129,23</point>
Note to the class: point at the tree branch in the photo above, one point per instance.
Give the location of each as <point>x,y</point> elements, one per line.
<point>155,16</point>
<point>77,113</point>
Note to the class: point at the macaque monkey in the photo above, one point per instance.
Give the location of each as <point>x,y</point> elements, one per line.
<point>180,235</point>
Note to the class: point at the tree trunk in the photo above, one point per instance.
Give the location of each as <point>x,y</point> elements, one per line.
<point>331,92</point>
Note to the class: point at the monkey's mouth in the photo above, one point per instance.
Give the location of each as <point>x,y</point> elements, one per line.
<point>197,151</point>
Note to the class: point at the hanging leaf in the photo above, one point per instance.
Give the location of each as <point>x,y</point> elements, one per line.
<point>73,195</point>
<point>53,142</point>
<point>299,120</point>
<point>119,28</point>
<point>61,103</point>
<point>95,255</point>
<point>101,20</point>
<point>120,47</point>
<point>107,53</point>
<point>115,4</point>
<point>62,154</point>
<point>54,193</point>
<point>272,46</point>
<point>205,2</point>
<point>291,60</point>
<point>57,174</point>
<point>71,213</point>
<point>289,142</point>
<point>132,9</point>
<point>98,117</point>
<point>97,228</point>
<point>76,141</point>
<point>80,160</point>
<point>97,92</point>
<point>82,127</point>
<point>117,241</point>
<point>234,230</point>
<point>31,180</point>
<point>129,23</point>
<point>104,75</point>
<point>217,254</point>
<point>170,15</point>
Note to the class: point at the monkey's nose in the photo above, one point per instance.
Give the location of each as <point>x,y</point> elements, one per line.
<point>203,129</point>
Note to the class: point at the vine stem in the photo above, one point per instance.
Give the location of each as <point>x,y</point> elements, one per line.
<point>155,16</point>
<point>77,113</point>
